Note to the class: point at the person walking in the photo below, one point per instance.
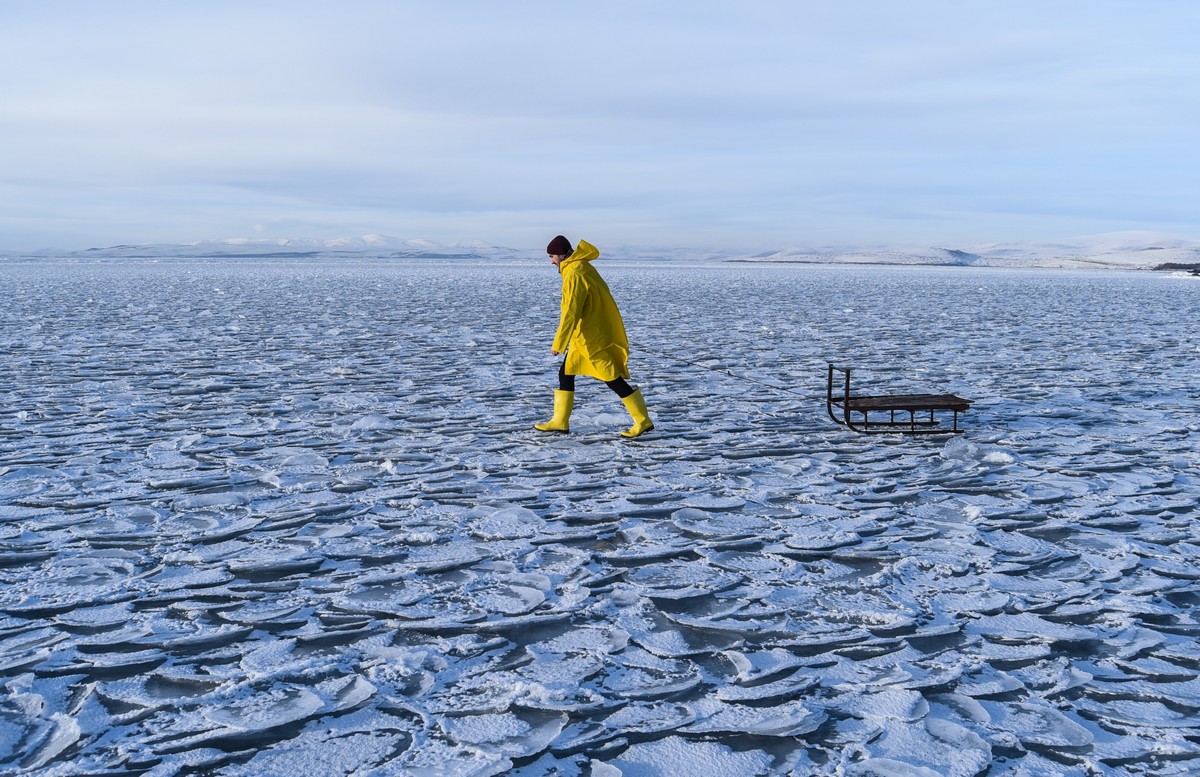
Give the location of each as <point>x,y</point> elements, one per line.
<point>590,337</point>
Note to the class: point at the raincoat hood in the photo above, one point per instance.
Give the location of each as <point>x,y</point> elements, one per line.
<point>584,252</point>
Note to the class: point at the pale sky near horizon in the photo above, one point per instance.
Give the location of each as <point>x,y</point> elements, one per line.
<point>752,125</point>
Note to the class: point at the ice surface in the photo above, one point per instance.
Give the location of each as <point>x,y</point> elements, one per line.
<point>703,759</point>
<point>289,516</point>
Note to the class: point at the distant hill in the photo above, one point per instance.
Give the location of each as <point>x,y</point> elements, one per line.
<point>1125,250</point>
<point>1134,250</point>
<point>374,246</point>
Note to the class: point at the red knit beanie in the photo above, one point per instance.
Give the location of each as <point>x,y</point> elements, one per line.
<point>559,246</point>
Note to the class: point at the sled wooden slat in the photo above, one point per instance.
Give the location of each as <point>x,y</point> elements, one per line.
<point>854,411</point>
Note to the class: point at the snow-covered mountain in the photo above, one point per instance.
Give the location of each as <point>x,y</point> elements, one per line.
<point>1124,250</point>
<point>282,248</point>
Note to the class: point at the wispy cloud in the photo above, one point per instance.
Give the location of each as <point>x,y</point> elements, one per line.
<point>722,124</point>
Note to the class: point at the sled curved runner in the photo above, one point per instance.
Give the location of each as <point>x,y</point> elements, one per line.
<point>845,406</point>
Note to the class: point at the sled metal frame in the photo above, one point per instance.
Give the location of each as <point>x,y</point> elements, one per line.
<point>844,406</point>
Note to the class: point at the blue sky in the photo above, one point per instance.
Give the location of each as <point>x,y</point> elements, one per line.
<point>746,125</point>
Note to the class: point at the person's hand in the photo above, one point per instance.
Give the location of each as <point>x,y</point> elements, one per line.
<point>554,352</point>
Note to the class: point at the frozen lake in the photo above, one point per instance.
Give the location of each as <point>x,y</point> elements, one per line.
<point>291,518</point>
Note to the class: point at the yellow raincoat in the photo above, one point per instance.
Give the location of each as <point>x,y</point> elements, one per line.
<point>590,329</point>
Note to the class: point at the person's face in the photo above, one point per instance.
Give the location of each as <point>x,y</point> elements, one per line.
<point>556,258</point>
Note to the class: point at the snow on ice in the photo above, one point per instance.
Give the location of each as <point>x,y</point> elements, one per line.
<point>288,515</point>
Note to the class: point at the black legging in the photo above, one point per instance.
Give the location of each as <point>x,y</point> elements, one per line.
<point>567,382</point>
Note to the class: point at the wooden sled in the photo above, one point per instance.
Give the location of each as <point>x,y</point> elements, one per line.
<point>844,407</point>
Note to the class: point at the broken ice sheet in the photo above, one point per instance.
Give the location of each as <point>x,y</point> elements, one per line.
<point>642,675</point>
<point>589,638</point>
<point>659,635</point>
<point>565,668</point>
<point>332,752</point>
<point>88,579</point>
<point>493,692</point>
<point>894,704</point>
<point>392,590</point>
<point>787,688</point>
<point>819,542</point>
<point>1157,669</point>
<point>756,667</point>
<point>680,579</point>
<point>1038,725</point>
<point>938,747</point>
<point>506,599</point>
<point>268,709</point>
<point>511,734</point>
<point>433,756</point>
<point>270,615</point>
<point>172,686</point>
<point>1166,752</point>
<point>702,759</point>
<point>710,525</point>
<point>407,514</point>
<point>186,573</point>
<point>20,646</point>
<point>1027,627</point>
<point>640,543</point>
<point>47,740</point>
<point>757,565</point>
<point>649,717</point>
<point>787,719</point>
<point>1000,654</point>
<point>1052,677</point>
<point>1141,716</point>
<point>272,563</point>
<point>508,523</point>
<point>446,556</point>
<point>94,619</point>
<point>988,684</point>
<point>265,659</point>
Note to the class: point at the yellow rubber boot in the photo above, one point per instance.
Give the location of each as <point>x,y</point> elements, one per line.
<point>564,402</point>
<point>636,406</point>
